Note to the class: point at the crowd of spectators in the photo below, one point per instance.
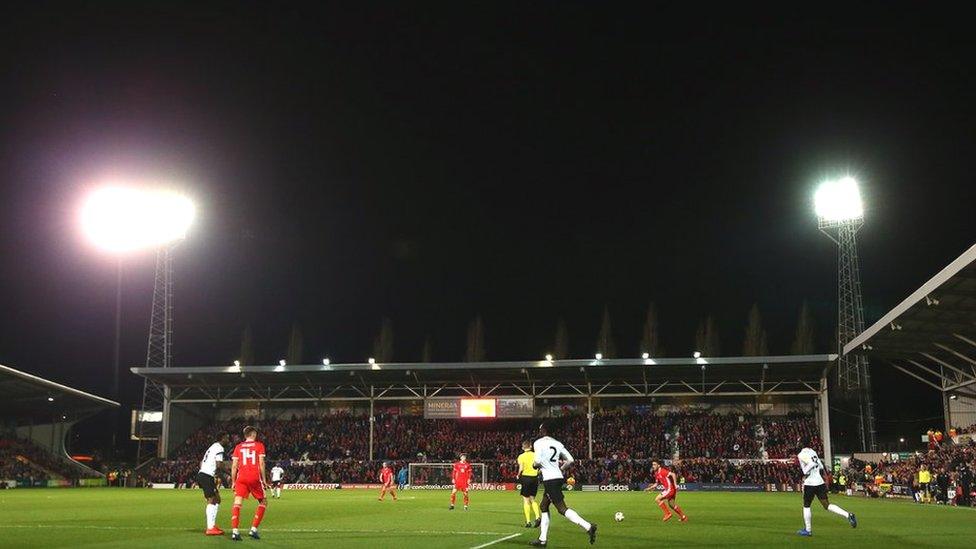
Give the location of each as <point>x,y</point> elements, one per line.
<point>23,460</point>
<point>332,448</point>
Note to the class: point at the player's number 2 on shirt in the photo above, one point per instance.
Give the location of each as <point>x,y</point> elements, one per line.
<point>553,458</point>
<point>249,457</point>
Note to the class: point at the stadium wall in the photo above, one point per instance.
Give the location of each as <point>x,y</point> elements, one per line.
<point>962,410</point>
<point>49,436</point>
<point>184,420</point>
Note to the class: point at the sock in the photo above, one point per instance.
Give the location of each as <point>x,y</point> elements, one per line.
<point>258,515</point>
<point>679,511</point>
<point>465,498</point>
<point>574,517</point>
<point>527,511</point>
<point>382,494</point>
<point>393,493</point>
<point>211,515</point>
<point>807,519</point>
<point>664,507</point>
<point>235,517</point>
<point>453,497</point>
<point>544,527</point>
<point>835,509</point>
<point>535,508</point>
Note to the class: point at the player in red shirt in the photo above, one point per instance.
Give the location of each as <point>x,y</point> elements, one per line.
<point>461,477</point>
<point>248,477</point>
<point>669,481</point>
<point>386,479</point>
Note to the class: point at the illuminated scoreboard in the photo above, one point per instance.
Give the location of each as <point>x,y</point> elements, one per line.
<point>453,408</point>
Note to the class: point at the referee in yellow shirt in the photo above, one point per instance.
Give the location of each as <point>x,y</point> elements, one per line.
<point>924,483</point>
<point>529,479</point>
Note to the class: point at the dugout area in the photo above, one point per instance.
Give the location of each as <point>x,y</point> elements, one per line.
<point>760,385</point>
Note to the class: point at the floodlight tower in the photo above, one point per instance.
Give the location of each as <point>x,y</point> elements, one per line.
<point>155,397</point>
<point>840,214</point>
<point>122,220</point>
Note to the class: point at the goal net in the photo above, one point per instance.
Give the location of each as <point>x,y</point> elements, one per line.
<point>438,475</point>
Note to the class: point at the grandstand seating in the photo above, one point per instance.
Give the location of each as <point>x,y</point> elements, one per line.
<point>23,460</point>
<point>623,444</point>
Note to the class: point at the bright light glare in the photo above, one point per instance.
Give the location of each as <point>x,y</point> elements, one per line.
<point>839,200</point>
<point>120,219</point>
<point>549,358</point>
<point>599,356</point>
<point>696,354</point>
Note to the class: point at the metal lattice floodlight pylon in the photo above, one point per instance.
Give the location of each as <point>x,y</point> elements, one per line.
<point>158,355</point>
<point>840,215</point>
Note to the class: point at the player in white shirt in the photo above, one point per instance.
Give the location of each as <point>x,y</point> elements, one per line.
<point>551,459</point>
<point>206,479</point>
<point>276,473</point>
<point>814,484</point>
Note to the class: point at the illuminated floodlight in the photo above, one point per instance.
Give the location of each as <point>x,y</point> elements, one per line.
<point>372,360</point>
<point>123,219</point>
<point>599,356</point>
<point>549,358</point>
<point>838,201</point>
<point>237,363</point>
<point>901,439</point>
<point>697,354</point>
<point>326,361</point>
<point>50,399</point>
<point>646,356</point>
<point>282,362</point>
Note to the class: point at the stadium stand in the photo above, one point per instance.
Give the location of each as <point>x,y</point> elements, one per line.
<point>36,416</point>
<point>623,447</point>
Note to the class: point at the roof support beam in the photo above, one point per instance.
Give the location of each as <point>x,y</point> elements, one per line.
<point>964,339</point>
<point>946,364</point>
<point>916,376</point>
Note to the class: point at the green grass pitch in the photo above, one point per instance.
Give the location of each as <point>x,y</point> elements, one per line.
<point>108,517</point>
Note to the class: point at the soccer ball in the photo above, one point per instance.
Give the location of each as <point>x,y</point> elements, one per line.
<point>618,516</point>
<point>571,481</point>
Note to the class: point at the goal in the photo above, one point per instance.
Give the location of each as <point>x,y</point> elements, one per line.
<point>438,475</point>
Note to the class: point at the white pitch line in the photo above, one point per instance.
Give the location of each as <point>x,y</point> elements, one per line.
<point>499,540</point>
<point>285,530</point>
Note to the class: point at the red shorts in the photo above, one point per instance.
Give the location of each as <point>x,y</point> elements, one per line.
<point>462,486</point>
<point>669,494</point>
<point>249,486</point>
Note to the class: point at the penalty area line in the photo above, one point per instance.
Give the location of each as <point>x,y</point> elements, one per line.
<point>499,540</point>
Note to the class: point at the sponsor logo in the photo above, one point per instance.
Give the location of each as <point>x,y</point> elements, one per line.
<point>614,488</point>
<point>311,486</point>
<point>590,488</point>
<point>474,486</point>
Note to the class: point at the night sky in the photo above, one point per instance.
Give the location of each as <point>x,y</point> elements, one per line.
<point>430,164</point>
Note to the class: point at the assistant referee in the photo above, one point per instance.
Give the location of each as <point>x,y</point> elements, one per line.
<point>529,479</point>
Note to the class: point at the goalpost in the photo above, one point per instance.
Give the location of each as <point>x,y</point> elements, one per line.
<point>438,475</point>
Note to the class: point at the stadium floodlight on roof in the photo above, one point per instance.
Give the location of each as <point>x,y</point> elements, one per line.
<point>123,219</point>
